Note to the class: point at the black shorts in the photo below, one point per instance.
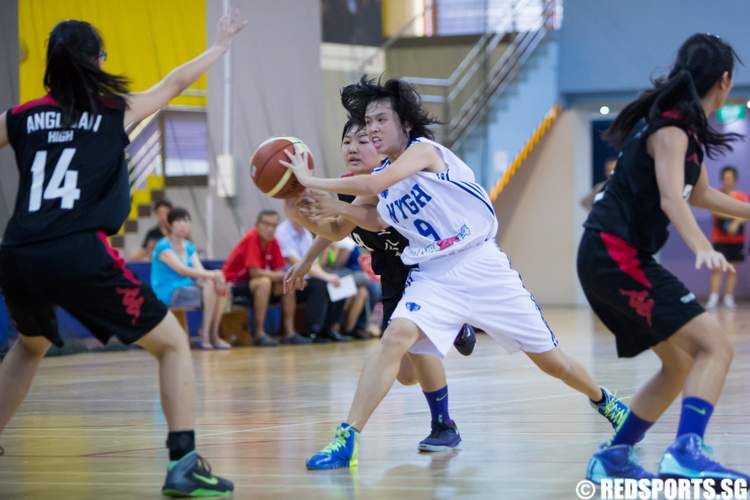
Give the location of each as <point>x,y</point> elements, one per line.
<point>636,298</point>
<point>85,276</point>
<point>392,290</point>
<point>731,251</point>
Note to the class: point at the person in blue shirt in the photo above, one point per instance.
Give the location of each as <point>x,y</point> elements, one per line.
<point>180,280</point>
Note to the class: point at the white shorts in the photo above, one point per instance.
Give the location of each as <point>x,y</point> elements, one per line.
<point>476,286</point>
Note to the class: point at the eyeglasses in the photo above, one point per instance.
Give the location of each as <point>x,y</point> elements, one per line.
<point>103,55</point>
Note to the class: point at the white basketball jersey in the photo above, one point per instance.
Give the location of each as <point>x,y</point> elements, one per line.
<point>439,213</point>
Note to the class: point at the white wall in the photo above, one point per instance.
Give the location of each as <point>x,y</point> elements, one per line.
<point>540,220</point>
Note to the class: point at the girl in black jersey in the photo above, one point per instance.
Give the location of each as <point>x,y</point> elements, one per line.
<point>361,158</point>
<point>73,192</point>
<point>663,136</point>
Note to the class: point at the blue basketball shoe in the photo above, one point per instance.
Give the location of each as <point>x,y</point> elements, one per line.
<point>689,457</point>
<point>613,462</point>
<point>444,437</point>
<point>611,408</point>
<point>342,452</point>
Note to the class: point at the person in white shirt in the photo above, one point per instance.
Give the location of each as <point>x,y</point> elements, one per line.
<point>294,241</point>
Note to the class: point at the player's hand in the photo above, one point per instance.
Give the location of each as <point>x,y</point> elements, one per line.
<point>712,260</point>
<point>298,164</point>
<point>294,278</point>
<point>324,206</point>
<point>230,24</point>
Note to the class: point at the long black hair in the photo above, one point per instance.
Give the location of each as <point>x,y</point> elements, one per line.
<point>701,62</point>
<point>73,76</point>
<point>404,99</point>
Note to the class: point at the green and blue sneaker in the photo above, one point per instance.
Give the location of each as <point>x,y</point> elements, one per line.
<point>342,452</point>
<point>611,408</point>
<point>191,476</point>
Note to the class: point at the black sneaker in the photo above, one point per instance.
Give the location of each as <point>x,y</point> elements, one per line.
<point>191,476</point>
<point>265,341</point>
<point>296,339</point>
<point>337,337</point>
<point>465,340</point>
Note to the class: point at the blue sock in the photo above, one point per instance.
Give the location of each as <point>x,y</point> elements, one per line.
<point>438,401</point>
<point>632,430</point>
<point>695,415</point>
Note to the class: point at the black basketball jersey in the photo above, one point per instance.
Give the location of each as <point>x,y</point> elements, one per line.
<point>73,177</point>
<point>630,204</point>
<point>385,247</point>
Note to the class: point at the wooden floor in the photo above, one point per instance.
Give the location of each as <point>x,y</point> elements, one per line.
<point>92,427</point>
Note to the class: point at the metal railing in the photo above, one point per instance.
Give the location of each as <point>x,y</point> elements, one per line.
<point>148,158</point>
<point>486,70</point>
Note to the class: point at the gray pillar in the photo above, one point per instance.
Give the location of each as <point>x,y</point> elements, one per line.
<point>9,59</point>
<point>276,90</point>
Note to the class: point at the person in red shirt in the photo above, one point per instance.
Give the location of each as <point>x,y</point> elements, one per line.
<point>728,237</point>
<point>256,267</point>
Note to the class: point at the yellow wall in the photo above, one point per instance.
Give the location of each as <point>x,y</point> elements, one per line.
<point>144,39</point>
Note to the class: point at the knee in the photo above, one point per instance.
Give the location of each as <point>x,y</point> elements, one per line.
<point>724,349</point>
<point>396,341</point>
<point>261,285</point>
<point>718,345</point>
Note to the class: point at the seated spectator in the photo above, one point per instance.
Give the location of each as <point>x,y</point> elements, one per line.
<point>156,233</point>
<point>320,313</point>
<point>255,268</point>
<point>345,262</point>
<point>180,280</point>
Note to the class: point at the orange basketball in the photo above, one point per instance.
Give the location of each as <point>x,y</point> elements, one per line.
<point>273,178</point>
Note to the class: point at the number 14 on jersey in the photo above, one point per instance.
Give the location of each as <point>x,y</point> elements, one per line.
<point>63,184</point>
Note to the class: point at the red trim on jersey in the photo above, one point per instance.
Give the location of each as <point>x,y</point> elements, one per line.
<point>47,100</point>
<point>119,261</point>
<point>626,257</point>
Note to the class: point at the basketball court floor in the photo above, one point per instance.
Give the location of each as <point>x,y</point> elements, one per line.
<point>92,427</point>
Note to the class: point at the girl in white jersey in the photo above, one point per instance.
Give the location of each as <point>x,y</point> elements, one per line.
<point>430,196</point>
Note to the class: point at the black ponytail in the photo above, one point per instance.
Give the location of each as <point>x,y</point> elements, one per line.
<point>73,76</point>
<point>676,98</point>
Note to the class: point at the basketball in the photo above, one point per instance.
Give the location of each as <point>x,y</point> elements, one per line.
<point>271,177</point>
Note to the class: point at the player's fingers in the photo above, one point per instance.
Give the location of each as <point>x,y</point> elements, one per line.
<point>699,261</point>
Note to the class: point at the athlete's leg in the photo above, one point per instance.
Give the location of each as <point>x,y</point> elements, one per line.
<point>17,372</point>
<point>558,364</point>
<point>654,397</point>
<point>187,474</point>
<point>407,374</point>
<point>380,370</point>
<point>169,345</point>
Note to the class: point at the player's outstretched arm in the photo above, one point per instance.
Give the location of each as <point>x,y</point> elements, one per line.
<point>142,104</point>
<point>415,159</point>
<point>3,130</point>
